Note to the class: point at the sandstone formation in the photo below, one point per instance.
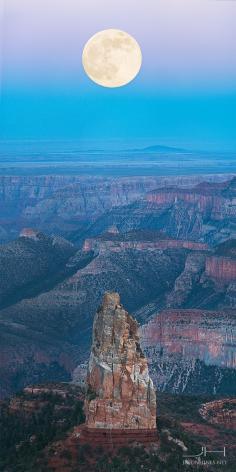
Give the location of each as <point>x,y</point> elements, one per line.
<point>120,392</point>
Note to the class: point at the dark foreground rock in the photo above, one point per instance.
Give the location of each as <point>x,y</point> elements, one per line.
<point>39,427</point>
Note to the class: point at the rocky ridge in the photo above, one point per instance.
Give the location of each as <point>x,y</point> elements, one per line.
<point>220,412</point>
<point>28,260</point>
<point>120,391</point>
<point>138,240</point>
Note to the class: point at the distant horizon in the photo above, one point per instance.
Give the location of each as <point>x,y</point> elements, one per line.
<point>111,145</point>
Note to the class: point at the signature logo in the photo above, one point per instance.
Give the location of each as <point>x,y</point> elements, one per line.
<point>205,451</point>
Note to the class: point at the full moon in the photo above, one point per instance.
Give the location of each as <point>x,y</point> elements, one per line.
<point>112,58</point>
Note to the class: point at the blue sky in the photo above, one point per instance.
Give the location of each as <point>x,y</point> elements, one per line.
<point>184,95</point>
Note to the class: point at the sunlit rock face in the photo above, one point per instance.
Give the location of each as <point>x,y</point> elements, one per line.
<point>120,392</point>
<point>191,351</point>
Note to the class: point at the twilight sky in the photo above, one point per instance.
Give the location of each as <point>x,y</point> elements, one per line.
<point>185,93</point>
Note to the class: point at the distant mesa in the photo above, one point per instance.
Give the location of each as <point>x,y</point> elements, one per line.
<point>120,402</point>
<point>158,148</point>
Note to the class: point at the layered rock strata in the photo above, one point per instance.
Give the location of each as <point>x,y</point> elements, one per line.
<point>191,351</point>
<point>120,392</point>
<point>107,243</point>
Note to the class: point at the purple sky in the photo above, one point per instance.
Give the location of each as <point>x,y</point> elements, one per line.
<point>184,43</point>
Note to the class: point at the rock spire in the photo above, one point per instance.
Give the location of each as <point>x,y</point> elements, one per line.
<point>120,392</point>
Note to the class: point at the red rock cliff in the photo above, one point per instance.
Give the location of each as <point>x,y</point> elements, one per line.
<point>206,201</point>
<point>194,334</point>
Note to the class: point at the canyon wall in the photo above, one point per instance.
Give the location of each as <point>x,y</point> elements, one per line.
<point>191,350</point>
<point>211,203</point>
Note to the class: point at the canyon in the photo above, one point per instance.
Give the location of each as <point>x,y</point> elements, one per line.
<point>51,331</point>
<point>60,319</point>
<point>69,204</point>
<point>205,213</point>
<point>169,252</point>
